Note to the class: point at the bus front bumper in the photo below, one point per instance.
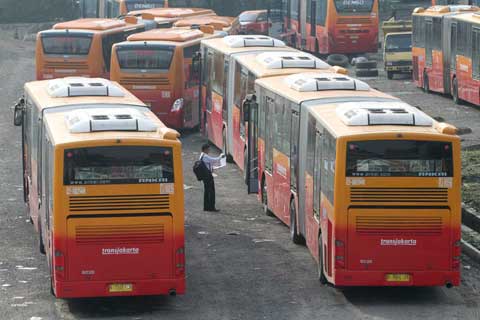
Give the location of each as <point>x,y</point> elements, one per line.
<point>88,289</point>
<point>385,279</point>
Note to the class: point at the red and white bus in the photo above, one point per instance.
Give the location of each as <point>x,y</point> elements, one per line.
<point>161,68</point>
<point>370,183</point>
<point>443,51</point>
<point>333,26</point>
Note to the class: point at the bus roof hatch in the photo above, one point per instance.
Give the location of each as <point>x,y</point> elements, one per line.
<point>308,82</point>
<point>242,41</point>
<point>108,119</point>
<point>78,87</point>
<point>382,113</point>
<point>283,60</point>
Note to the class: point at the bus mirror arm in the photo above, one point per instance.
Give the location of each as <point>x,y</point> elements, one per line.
<point>19,109</point>
<point>250,100</point>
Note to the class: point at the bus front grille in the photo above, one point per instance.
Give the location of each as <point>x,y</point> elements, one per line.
<point>144,81</point>
<point>119,234</point>
<point>398,225</point>
<point>403,196</point>
<point>144,202</point>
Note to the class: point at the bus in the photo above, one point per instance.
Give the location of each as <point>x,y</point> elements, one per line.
<point>81,47</point>
<point>217,61</point>
<point>449,2</point>
<point>333,26</point>
<point>162,68</point>
<point>103,185</point>
<point>246,70</point>
<point>368,182</point>
<point>116,8</point>
<point>436,44</point>
<point>219,23</point>
<point>166,17</point>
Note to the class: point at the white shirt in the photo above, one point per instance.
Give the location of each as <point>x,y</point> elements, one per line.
<point>209,161</point>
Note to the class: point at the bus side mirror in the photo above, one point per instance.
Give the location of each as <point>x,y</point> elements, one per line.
<point>250,101</point>
<point>18,115</point>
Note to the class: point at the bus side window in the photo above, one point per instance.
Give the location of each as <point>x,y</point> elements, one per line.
<point>209,76</point>
<point>321,12</point>
<point>27,127</point>
<point>226,67</point>
<point>429,42</point>
<point>191,71</point>
<point>261,117</point>
<point>328,165</point>
<point>46,177</point>
<point>476,53</point>
<point>317,173</point>
<point>243,94</point>
<point>269,103</point>
<point>277,118</point>
<point>294,150</point>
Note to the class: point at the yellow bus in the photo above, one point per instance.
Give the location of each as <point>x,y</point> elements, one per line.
<point>103,184</point>
<point>370,183</point>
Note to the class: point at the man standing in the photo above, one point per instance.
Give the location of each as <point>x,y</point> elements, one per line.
<point>209,183</point>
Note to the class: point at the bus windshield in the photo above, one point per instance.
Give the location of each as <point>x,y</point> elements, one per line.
<point>132,57</point>
<point>71,44</point>
<point>353,5</point>
<point>141,5</point>
<point>398,43</point>
<point>118,165</point>
<point>399,158</point>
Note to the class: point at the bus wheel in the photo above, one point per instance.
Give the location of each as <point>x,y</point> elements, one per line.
<point>456,99</point>
<point>296,238</point>
<point>426,86</point>
<point>265,200</point>
<point>41,246</point>
<point>389,75</point>
<point>321,274</point>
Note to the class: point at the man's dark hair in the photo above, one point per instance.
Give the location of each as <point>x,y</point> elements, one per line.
<point>205,147</point>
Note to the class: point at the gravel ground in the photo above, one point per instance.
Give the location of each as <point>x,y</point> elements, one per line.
<point>240,263</point>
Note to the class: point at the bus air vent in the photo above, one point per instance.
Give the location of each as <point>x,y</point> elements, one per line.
<point>130,203</point>
<point>83,87</point>
<point>382,113</point>
<point>283,60</point>
<point>311,82</point>
<point>242,41</point>
<point>404,196</point>
<point>396,225</point>
<point>108,119</point>
<point>119,234</point>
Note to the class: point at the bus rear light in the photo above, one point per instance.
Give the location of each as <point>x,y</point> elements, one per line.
<point>456,255</point>
<point>339,254</point>
<point>59,264</point>
<point>340,262</point>
<point>180,261</point>
<point>177,105</point>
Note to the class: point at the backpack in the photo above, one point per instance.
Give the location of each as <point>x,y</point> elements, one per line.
<point>201,171</point>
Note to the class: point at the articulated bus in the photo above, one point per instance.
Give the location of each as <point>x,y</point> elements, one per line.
<point>218,23</point>
<point>442,48</point>
<point>103,183</point>
<point>333,26</point>
<point>116,8</point>
<point>218,76</point>
<point>371,184</point>
<point>166,17</point>
<point>161,68</point>
<point>247,69</point>
<point>81,47</point>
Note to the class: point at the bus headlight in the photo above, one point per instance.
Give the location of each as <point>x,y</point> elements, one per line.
<point>177,105</point>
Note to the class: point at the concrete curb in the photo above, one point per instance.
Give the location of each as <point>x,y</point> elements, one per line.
<point>471,251</point>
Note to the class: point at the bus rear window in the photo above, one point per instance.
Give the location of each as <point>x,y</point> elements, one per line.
<point>398,43</point>
<point>353,5</point>
<point>66,44</point>
<point>144,58</point>
<point>118,165</point>
<point>399,158</point>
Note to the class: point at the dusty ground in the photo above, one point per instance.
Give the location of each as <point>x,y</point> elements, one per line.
<point>241,264</point>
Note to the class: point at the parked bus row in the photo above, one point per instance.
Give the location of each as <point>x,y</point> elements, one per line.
<point>103,185</point>
<point>446,50</point>
<point>368,182</point>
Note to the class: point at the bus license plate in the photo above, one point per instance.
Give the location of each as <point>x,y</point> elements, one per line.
<point>395,277</point>
<point>120,287</point>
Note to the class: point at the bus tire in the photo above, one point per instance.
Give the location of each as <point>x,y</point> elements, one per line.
<point>366,65</point>
<point>426,85</point>
<point>296,238</point>
<point>337,60</point>
<point>265,200</point>
<point>321,274</point>
<point>41,245</point>
<point>455,97</point>
<point>366,72</point>
<point>390,75</point>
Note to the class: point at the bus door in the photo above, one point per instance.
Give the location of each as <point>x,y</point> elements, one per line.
<point>429,42</point>
<point>250,110</point>
<point>191,115</point>
<point>275,19</point>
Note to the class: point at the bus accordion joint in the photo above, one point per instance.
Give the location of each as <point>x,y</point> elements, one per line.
<point>446,128</point>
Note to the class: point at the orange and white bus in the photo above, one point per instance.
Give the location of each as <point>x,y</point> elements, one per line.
<point>442,48</point>
<point>371,183</point>
<point>81,47</point>
<point>116,8</point>
<point>219,23</point>
<point>103,184</point>
<point>166,17</point>
<point>161,68</point>
<point>217,80</point>
<point>246,70</point>
<point>334,26</point>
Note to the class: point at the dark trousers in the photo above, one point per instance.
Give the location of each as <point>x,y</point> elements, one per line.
<point>209,194</point>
